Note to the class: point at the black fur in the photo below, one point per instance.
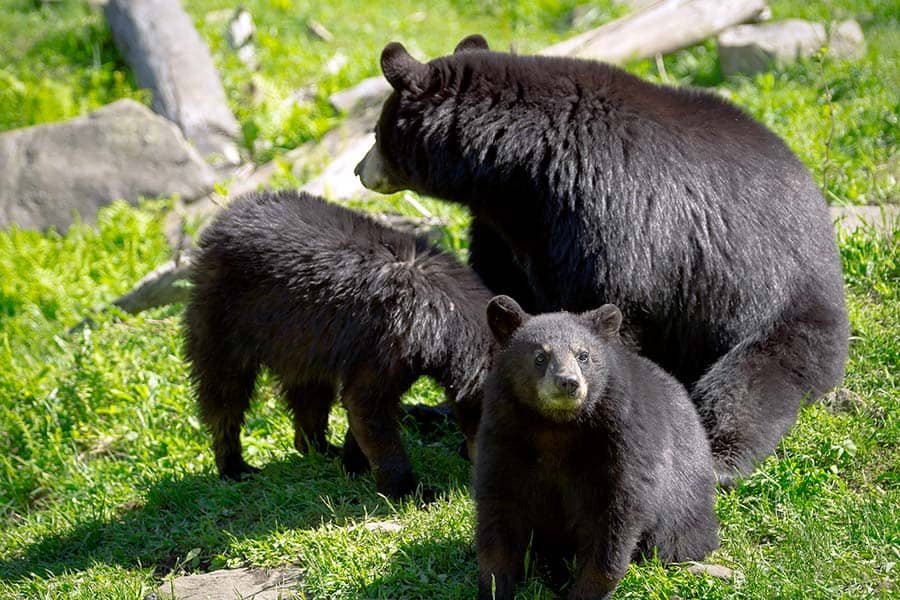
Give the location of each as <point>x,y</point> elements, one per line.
<point>625,473</point>
<point>323,296</point>
<point>673,204</point>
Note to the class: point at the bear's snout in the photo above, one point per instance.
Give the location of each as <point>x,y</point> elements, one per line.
<point>373,175</point>
<point>567,383</point>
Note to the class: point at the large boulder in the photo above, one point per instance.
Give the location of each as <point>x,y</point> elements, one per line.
<point>123,150</point>
<point>753,48</point>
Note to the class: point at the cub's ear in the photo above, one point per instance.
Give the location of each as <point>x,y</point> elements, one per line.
<point>402,71</point>
<point>504,316</point>
<point>471,43</point>
<point>605,320</point>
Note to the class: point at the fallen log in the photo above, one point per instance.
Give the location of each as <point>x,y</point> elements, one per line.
<point>165,53</point>
<point>659,28</point>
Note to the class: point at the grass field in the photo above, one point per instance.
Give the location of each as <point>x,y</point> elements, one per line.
<point>107,483</point>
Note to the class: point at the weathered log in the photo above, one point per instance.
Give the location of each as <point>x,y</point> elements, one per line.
<point>369,91</point>
<point>164,285</point>
<point>659,28</point>
<point>167,56</point>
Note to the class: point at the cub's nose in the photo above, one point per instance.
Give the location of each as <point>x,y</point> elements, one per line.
<point>359,167</point>
<point>567,384</point>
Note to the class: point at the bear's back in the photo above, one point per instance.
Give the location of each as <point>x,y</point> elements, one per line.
<point>290,269</point>
<point>701,206</point>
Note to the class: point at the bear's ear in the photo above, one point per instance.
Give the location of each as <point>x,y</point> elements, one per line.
<point>402,71</point>
<point>606,320</point>
<point>504,316</point>
<point>471,43</point>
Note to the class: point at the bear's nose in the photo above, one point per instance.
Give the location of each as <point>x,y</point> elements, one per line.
<point>568,384</point>
<point>358,168</point>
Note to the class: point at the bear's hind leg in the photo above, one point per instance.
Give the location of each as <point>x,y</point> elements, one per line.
<point>310,404</point>
<point>749,399</point>
<point>373,402</point>
<point>223,397</point>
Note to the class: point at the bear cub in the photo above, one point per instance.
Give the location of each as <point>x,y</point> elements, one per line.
<point>585,449</point>
<point>325,297</point>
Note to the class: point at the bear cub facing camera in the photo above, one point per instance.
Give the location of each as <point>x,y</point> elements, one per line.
<point>327,298</point>
<point>585,449</point>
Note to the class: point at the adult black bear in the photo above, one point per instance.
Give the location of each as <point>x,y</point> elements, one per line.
<point>588,185</point>
<point>324,296</point>
<point>585,449</point>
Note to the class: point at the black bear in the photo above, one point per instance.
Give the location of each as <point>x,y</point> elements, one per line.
<point>588,185</point>
<point>585,449</point>
<point>325,297</point>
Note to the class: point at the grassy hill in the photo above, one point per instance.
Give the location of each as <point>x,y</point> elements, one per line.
<point>107,483</point>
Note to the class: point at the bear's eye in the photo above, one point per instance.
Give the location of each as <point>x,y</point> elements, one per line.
<point>582,356</point>
<point>540,358</point>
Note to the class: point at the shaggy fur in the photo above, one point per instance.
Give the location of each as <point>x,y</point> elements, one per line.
<point>323,296</point>
<point>585,449</point>
<point>592,186</point>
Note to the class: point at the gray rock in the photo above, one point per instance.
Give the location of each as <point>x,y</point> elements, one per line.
<point>239,36</point>
<point>842,400</point>
<point>717,571</point>
<point>846,40</point>
<point>384,526</point>
<point>231,584</point>
<point>754,48</point>
<point>240,28</point>
<point>49,172</point>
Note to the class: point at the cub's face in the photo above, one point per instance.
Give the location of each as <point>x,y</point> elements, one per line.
<point>550,363</point>
<point>553,363</point>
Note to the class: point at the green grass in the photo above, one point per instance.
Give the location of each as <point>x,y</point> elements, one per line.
<point>106,479</point>
<point>292,59</point>
<point>57,61</point>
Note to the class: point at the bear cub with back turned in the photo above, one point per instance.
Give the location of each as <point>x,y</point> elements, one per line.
<point>585,449</point>
<point>325,297</point>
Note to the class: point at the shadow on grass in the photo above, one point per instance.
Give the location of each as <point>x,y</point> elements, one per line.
<point>201,511</point>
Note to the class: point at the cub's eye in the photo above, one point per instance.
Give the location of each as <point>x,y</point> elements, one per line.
<point>540,358</point>
<point>582,357</point>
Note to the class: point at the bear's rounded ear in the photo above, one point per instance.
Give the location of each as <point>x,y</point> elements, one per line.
<point>504,316</point>
<point>403,71</point>
<point>606,320</point>
<point>471,43</point>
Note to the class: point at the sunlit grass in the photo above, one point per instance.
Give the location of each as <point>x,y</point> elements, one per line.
<point>106,479</point>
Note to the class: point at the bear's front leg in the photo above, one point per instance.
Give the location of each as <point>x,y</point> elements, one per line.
<point>491,257</point>
<point>501,543</point>
<point>606,552</point>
